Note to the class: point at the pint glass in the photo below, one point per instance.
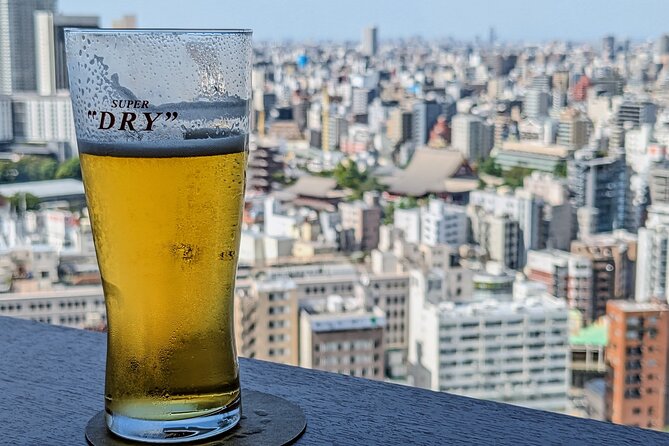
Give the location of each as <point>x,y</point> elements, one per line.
<point>162,121</point>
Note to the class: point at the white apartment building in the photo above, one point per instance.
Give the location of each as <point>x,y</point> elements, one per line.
<point>437,223</point>
<point>502,350</point>
<point>652,267</point>
<point>520,206</point>
<point>77,307</point>
<point>471,136</point>
<point>44,119</point>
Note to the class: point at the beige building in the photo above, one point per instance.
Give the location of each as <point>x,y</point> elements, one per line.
<point>266,320</point>
<point>340,336</point>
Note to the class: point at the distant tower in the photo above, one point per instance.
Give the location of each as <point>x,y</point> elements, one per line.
<point>492,36</point>
<point>609,47</point>
<point>325,121</point>
<point>370,44</point>
<point>663,49</point>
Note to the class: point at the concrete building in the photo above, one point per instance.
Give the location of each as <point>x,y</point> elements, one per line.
<point>573,129</point>
<point>6,121</point>
<point>17,44</point>
<point>387,289</point>
<point>471,136</point>
<point>537,101</point>
<point>76,307</point>
<point>556,221</point>
<point>340,337</point>
<point>399,125</point>
<point>637,357</point>
<point>599,183</point>
<point>511,351</point>
<point>653,262</point>
<point>45,120</point>
<point>435,223</point>
<point>566,276</point>
<point>500,209</point>
<point>266,320</point>
<point>425,114</point>
<point>613,257</point>
<point>364,219</point>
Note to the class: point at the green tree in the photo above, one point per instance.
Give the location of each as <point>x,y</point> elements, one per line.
<point>69,169</point>
<point>560,169</point>
<point>389,214</point>
<point>32,202</point>
<point>514,177</point>
<point>489,166</point>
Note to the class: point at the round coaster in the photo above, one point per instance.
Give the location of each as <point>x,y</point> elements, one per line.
<point>266,419</point>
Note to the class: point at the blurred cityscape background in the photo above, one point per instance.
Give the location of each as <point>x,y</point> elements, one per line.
<point>482,217</point>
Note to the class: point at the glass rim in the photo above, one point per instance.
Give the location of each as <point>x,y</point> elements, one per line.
<point>194,31</point>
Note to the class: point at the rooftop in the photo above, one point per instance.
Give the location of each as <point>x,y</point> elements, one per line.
<point>595,335</point>
<point>53,377</point>
<point>49,189</point>
<point>432,171</point>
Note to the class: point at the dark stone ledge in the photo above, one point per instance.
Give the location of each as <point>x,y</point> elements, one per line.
<point>51,383</point>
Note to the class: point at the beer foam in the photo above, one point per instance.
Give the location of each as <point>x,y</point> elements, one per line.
<point>144,91</point>
<point>168,149</point>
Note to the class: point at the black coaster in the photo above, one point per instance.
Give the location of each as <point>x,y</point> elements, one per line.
<point>266,419</point>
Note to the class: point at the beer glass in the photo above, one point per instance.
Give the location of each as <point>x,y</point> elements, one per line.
<point>162,122</point>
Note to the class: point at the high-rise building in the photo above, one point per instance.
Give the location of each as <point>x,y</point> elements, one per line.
<point>653,265</point>
<point>50,48</point>
<point>599,182</point>
<point>498,210</point>
<point>613,257</point>
<point>359,101</point>
<point>631,113</point>
<point>536,103</point>
<point>425,114</point>
<point>399,125</point>
<point>339,336</point>
<point>609,48</point>
<point>573,129</point>
<point>637,357</point>
<point>17,43</point>
<point>370,43</point>
<point>514,351</point>
<point>6,124</point>
<point>45,120</point>
<point>471,136</point>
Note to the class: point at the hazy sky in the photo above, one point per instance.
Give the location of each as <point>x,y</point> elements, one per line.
<point>515,20</point>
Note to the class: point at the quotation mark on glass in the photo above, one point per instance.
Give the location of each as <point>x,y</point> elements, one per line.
<point>92,113</point>
<point>171,116</point>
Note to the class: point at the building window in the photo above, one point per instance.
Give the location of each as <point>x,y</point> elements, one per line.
<point>636,410</point>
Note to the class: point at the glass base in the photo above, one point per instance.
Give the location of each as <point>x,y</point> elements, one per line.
<point>175,431</point>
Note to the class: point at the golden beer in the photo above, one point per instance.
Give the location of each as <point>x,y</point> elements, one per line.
<point>167,236</point>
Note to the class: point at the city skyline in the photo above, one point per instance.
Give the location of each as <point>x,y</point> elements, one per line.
<point>539,21</point>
